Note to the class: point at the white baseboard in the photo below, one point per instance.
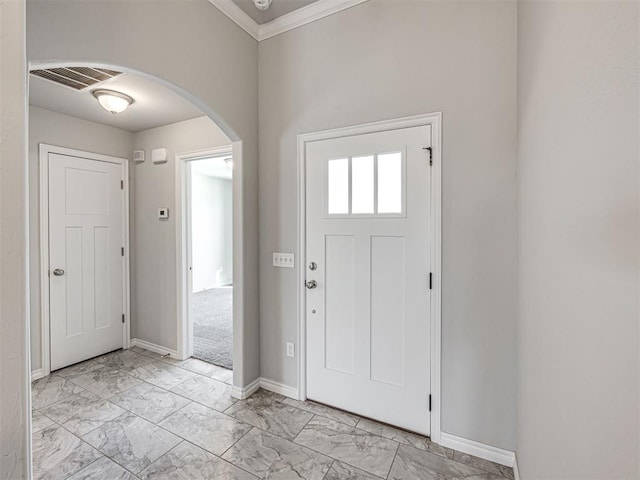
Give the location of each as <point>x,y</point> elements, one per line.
<point>246,392</point>
<point>276,387</point>
<point>516,472</point>
<point>242,393</point>
<point>36,375</point>
<point>135,342</point>
<point>477,449</point>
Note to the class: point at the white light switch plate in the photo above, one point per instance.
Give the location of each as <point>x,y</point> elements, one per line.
<point>283,260</point>
<point>291,349</point>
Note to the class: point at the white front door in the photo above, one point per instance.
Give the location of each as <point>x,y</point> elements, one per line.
<point>368,252</point>
<point>86,264</point>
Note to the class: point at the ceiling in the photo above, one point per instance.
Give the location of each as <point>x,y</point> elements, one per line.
<point>154,105</point>
<point>277,9</point>
<point>212,167</point>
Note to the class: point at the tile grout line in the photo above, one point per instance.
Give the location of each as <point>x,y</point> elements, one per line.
<point>166,453</point>
<point>324,477</point>
<point>395,455</point>
<point>86,466</point>
<point>219,457</point>
<point>338,460</point>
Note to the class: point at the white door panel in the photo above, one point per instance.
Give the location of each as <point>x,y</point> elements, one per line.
<point>85,240</point>
<point>368,319</point>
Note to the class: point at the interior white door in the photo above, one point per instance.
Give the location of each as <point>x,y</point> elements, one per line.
<point>368,280</point>
<point>86,226</point>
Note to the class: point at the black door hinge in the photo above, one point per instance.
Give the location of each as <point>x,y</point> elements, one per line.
<point>430,154</point>
<point>122,251</point>
<point>430,281</point>
<point>121,184</point>
<point>123,318</point>
<point>429,402</point>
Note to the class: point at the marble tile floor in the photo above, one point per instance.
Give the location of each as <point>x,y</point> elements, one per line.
<point>132,415</point>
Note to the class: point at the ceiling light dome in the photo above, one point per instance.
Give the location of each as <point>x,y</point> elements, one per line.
<point>112,101</point>
<point>262,4</point>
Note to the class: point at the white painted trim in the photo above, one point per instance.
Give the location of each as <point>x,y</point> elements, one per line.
<point>295,19</point>
<point>183,241</point>
<point>516,471</point>
<point>280,388</point>
<point>245,392</point>
<point>45,354</point>
<point>435,121</point>
<point>270,385</point>
<point>477,449</point>
<point>302,16</point>
<point>152,347</point>
<point>36,375</point>
<point>235,13</point>
<point>436,267</point>
<point>45,332</point>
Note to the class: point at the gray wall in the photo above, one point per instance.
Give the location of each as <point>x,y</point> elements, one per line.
<point>70,132</point>
<point>154,286</point>
<point>15,402</point>
<point>579,235</point>
<point>387,59</point>
<point>196,49</point>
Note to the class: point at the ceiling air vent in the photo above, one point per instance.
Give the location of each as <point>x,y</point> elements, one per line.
<point>77,78</point>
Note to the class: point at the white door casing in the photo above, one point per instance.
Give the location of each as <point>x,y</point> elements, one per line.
<point>85,252</point>
<point>368,316</point>
<point>184,259</point>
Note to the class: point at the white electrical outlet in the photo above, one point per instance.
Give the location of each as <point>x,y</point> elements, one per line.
<point>291,349</point>
<point>283,260</point>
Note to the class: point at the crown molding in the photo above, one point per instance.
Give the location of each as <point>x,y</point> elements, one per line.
<point>304,15</point>
<point>235,13</point>
<point>295,19</point>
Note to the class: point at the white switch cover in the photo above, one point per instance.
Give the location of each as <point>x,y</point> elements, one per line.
<point>283,260</point>
<point>291,349</point>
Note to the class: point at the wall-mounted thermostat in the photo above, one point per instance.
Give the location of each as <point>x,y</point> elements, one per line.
<point>138,156</point>
<point>159,155</point>
<point>163,213</point>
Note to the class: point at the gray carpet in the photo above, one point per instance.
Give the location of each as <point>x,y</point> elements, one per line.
<point>213,326</point>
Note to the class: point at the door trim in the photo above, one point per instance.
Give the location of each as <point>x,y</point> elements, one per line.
<point>183,240</point>
<point>45,332</point>
<point>435,121</point>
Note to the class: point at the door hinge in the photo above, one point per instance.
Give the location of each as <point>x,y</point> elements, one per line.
<point>121,184</point>
<point>430,281</point>
<point>122,251</point>
<point>430,150</point>
<point>429,402</point>
<point>123,322</point>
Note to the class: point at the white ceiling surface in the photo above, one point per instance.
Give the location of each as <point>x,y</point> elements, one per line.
<point>154,105</point>
<point>277,9</point>
<point>212,167</point>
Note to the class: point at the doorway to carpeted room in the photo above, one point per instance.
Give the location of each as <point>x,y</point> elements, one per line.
<point>211,258</point>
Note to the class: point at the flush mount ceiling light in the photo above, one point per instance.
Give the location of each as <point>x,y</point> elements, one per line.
<point>262,4</point>
<point>112,101</point>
